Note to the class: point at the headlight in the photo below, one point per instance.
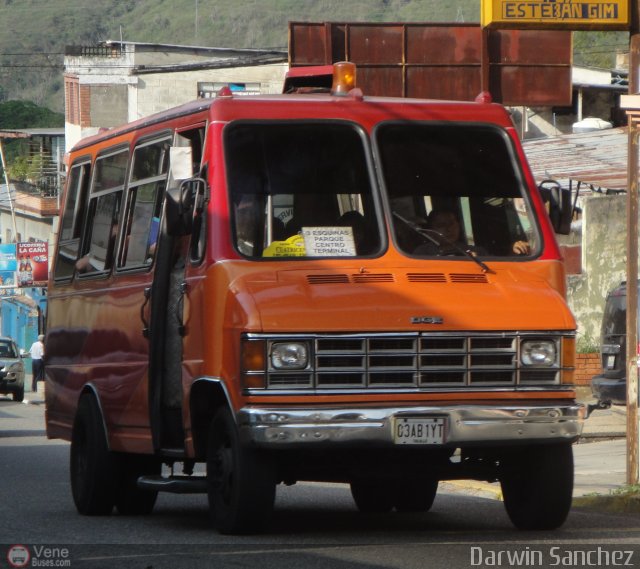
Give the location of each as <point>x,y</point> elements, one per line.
<point>538,353</point>
<point>290,355</point>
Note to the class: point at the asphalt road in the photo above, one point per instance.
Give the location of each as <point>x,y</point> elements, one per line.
<point>315,525</point>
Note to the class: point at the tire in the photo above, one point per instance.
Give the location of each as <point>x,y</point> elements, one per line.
<point>93,467</point>
<point>131,500</point>
<point>537,486</point>
<point>373,496</point>
<point>415,496</point>
<point>18,395</point>
<point>241,481</point>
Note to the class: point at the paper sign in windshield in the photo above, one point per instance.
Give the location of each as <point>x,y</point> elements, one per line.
<point>292,247</point>
<point>329,241</point>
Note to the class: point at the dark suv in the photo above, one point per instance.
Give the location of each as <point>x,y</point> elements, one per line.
<point>611,385</point>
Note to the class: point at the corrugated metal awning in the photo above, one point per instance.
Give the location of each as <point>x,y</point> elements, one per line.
<point>597,159</point>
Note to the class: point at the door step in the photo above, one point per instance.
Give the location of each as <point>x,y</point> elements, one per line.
<point>174,484</point>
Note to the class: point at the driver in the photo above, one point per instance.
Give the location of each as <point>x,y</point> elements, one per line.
<point>445,222</point>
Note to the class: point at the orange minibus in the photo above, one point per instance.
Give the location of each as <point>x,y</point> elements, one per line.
<point>248,291</point>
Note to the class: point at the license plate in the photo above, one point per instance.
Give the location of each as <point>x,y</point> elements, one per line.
<point>611,362</point>
<point>419,431</point>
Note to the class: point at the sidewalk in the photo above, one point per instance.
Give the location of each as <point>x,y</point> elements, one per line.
<point>30,397</point>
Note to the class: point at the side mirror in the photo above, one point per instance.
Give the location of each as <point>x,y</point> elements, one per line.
<point>24,353</point>
<point>180,205</point>
<point>558,202</point>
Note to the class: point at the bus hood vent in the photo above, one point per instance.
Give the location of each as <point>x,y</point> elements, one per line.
<point>427,277</point>
<point>359,278</point>
<point>367,278</point>
<point>443,278</point>
<point>373,278</point>
<point>468,278</point>
<point>328,279</point>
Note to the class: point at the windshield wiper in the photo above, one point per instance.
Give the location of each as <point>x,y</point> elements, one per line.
<point>439,240</point>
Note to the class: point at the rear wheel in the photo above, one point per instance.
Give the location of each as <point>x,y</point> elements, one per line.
<point>537,486</point>
<point>131,500</point>
<point>373,496</point>
<point>93,467</point>
<point>416,496</point>
<point>381,496</point>
<point>241,481</point>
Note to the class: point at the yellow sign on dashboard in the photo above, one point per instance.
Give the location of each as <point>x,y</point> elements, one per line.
<point>556,14</point>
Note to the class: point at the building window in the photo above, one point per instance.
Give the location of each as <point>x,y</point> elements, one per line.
<point>209,90</point>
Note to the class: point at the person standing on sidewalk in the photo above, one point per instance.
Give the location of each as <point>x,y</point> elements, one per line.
<point>37,362</point>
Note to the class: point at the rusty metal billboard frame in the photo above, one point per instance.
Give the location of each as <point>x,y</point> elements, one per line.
<point>450,61</point>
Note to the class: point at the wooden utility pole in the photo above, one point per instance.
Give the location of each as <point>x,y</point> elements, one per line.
<point>633,115</point>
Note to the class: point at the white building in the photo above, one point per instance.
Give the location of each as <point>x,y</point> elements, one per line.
<point>118,81</point>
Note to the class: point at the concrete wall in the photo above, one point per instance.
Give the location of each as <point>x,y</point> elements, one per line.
<point>108,105</point>
<point>160,91</point>
<point>27,227</point>
<point>603,262</point>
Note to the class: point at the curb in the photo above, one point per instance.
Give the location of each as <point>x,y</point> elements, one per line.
<point>601,435</point>
<point>478,488</point>
<point>613,504</point>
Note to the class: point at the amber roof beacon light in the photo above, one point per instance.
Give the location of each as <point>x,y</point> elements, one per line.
<point>344,77</point>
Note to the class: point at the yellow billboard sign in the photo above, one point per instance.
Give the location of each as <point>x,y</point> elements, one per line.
<point>556,14</point>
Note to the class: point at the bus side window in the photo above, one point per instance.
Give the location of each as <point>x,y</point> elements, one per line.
<point>193,139</point>
<point>103,213</point>
<point>147,183</point>
<point>71,222</point>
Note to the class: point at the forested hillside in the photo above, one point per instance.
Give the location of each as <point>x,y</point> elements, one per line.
<point>35,32</point>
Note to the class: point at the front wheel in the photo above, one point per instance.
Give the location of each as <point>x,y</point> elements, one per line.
<point>241,481</point>
<point>131,500</point>
<point>537,486</point>
<point>18,396</point>
<point>93,467</point>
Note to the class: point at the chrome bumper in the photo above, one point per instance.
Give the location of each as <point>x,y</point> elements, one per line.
<point>472,425</point>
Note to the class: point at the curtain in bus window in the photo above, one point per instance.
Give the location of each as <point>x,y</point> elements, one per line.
<point>455,187</point>
<point>300,190</point>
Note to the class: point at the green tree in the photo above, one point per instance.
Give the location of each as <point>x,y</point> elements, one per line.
<point>25,114</point>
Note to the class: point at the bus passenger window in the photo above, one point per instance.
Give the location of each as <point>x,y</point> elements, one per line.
<point>104,212</point>
<point>104,228</point>
<point>71,222</point>
<point>144,201</point>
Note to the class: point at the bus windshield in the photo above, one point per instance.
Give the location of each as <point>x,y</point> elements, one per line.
<point>300,190</point>
<point>455,188</point>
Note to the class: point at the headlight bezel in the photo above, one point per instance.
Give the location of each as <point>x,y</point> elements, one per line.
<point>539,353</point>
<point>291,355</point>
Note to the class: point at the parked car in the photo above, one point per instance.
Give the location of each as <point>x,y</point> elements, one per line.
<point>11,369</point>
<point>611,385</point>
